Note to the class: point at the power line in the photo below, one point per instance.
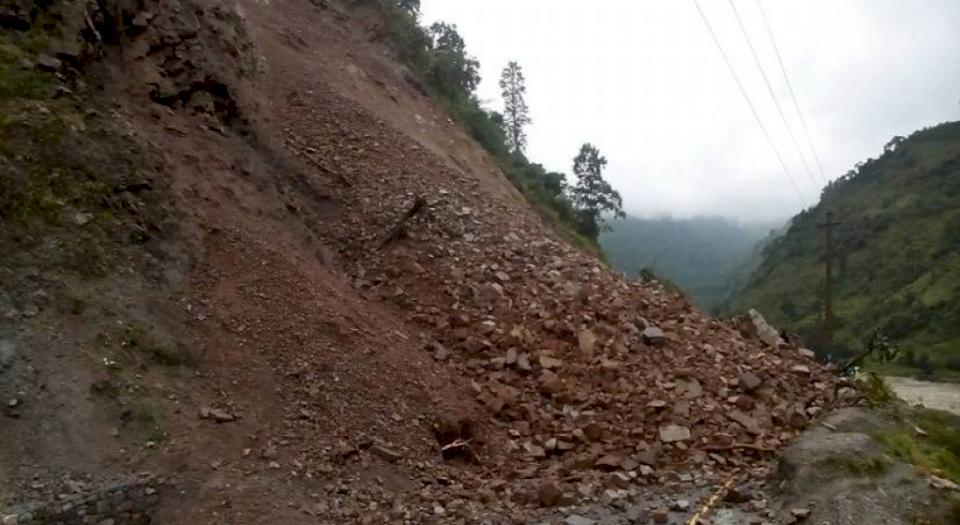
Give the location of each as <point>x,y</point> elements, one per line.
<point>793,96</point>
<point>773,95</point>
<point>746,97</point>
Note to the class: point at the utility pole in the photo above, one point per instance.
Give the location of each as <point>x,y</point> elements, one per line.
<point>828,318</point>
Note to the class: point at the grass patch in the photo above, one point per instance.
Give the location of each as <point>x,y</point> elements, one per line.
<point>18,78</point>
<point>936,453</point>
<point>140,342</point>
<point>876,391</point>
<point>151,417</point>
<point>19,82</point>
<point>862,467</point>
<point>172,355</point>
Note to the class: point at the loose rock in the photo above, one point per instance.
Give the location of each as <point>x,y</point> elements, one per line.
<point>674,433</point>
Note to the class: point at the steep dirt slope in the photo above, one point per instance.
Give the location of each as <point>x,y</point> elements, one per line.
<point>320,302</point>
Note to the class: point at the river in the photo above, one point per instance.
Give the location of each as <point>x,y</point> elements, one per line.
<point>941,396</point>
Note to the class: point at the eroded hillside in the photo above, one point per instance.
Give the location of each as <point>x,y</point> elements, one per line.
<point>248,261</point>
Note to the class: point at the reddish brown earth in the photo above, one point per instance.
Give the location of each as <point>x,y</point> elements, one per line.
<point>330,348</point>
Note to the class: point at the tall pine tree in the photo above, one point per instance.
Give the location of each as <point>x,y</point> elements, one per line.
<point>593,196</point>
<point>516,113</point>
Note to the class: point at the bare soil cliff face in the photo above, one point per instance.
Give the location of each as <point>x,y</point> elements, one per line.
<point>244,253</point>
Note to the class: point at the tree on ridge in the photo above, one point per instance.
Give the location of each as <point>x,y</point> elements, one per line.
<point>516,114</point>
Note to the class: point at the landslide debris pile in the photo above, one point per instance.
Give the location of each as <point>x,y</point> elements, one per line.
<point>580,370</point>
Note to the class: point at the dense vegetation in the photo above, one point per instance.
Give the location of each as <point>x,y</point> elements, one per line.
<point>897,260</point>
<point>438,56</point>
<point>706,256</point>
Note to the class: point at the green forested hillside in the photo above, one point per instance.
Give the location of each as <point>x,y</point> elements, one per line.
<point>702,255</point>
<point>898,256</point>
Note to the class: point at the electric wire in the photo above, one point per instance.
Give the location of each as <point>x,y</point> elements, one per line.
<point>793,96</point>
<point>753,108</point>
<point>773,95</point>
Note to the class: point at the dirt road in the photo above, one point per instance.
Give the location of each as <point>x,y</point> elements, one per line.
<point>942,396</point>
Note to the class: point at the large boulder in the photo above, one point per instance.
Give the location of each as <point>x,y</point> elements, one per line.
<point>766,333</point>
<point>838,472</point>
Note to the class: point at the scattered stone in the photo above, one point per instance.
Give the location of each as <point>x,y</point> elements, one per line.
<point>587,341</point>
<point>549,383</point>
<point>593,431</point>
<point>609,462</point>
<point>549,363</point>
<point>344,450</point>
<point>48,63</point>
<point>661,516</point>
<point>749,423</point>
<point>440,352</point>
<point>523,363</point>
<point>674,433</point>
<point>648,457</point>
<point>680,505</point>
<point>739,494</point>
<point>142,19</point>
<point>82,218</point>
<point>549,494</point>
<point>576,519</point>
<point>534,451</point>
<point>386,453</point>
<point>216,415</point>
<point>654,336</point>
<point>750,382</point>
<point>800,514</point>
<point>943,484</point>
<point>657,404</point>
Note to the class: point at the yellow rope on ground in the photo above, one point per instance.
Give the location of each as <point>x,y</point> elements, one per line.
<point>695,520</point>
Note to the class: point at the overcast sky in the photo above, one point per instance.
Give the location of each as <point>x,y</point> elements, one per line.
<point>643,81</point>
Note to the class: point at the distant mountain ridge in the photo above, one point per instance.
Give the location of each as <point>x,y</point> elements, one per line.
<point>897,255</point>
<point>706,256</point>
